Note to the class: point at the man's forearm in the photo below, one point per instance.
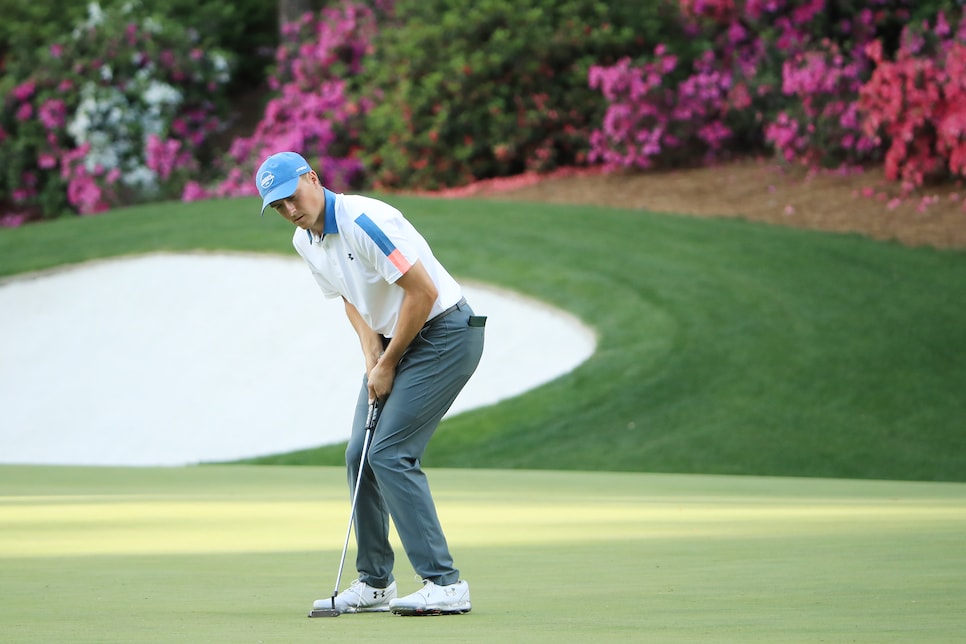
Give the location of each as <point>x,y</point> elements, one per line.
<point>369,340</point>
<point>420,295</point>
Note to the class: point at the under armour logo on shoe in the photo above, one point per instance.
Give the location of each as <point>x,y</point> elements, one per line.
<point>376,594</point>
<point>350,256</point>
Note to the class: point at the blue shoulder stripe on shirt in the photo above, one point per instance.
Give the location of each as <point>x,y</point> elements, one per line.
<point>383,242</point>
<point>375,233</point>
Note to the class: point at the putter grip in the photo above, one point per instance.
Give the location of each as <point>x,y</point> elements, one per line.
<point>374,411</point>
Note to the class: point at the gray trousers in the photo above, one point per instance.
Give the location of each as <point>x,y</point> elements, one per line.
<point>433,370</point>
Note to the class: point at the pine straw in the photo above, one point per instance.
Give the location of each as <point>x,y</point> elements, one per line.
<point>756,191</point>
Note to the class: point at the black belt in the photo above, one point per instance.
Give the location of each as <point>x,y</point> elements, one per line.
<point>446,312</point>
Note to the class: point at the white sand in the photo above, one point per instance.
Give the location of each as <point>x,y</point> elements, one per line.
<point>174,359</point>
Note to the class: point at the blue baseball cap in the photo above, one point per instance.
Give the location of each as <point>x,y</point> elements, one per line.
<point>278,176</point>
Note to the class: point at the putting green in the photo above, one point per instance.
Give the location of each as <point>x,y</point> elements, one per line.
<point>237,554</point>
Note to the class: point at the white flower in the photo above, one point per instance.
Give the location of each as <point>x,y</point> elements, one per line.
<point>220,64</point>
<point>113,115</point>
<point>95,15</point>
<point>81,123</point>
<point>140,175</point>
<point>151,25</point>
<point>158,94</point>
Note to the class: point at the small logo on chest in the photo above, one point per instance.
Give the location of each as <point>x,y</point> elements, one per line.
<point>349,255</point>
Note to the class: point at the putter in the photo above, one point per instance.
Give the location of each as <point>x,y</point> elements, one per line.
<point>371,421</point>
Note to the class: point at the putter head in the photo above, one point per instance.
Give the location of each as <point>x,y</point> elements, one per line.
<point>325,612</point>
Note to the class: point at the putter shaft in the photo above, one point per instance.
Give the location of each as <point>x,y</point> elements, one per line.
<point>371,419</point>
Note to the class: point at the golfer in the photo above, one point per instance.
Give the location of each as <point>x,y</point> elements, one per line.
<point>421,343</point>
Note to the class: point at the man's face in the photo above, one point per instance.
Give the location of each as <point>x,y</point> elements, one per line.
<point>305,207</point>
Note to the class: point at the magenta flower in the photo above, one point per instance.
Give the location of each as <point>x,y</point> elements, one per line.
<point>24,91</point>
<point>162,156</point>
<point>21,195</point>
<point>52,114</point>
<point>13,219</point>
<point>46,161</point>
<point>193,191</point>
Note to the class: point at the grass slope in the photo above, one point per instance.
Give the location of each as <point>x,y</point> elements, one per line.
<point>237,554</point>
<point>724,347</point>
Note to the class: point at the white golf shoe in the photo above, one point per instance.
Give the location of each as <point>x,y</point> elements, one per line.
<point>432,599</point>
<point>360,597</point>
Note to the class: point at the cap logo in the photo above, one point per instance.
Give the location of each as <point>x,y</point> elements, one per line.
<point>266,180</point>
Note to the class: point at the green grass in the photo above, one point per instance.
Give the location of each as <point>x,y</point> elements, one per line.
<point>725,347</point>
<point>238,553</point>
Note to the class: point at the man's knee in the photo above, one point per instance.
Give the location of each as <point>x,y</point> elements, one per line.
<point>386,462</point>
<point>353,454</point>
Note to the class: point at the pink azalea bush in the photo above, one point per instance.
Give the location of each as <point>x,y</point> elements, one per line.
<point>821,127</point>
<point>118,111</point>
<point>315,110</point>
<point>917,103</point>
<point>650,118</point>
<point>774,73</point>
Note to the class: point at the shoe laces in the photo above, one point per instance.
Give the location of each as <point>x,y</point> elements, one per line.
<point>429,585</point>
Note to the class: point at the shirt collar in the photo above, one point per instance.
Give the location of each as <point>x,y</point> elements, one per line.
<point>330,226</point>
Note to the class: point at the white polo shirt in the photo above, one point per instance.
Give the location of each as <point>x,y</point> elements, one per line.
<point>368,245</point>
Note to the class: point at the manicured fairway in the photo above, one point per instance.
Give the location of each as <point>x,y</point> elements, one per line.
<point>724,347</point>
<point>237,554</point>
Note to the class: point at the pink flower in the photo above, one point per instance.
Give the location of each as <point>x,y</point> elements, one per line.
<point>25,111</point>
<point>13,219</point>
<point>20,195</point>
<point>194,191</point>
<point>53,114</point>
<point>162,156</point>
<point>84,194</point>
<point>24,91</point>
<point>46,161</point>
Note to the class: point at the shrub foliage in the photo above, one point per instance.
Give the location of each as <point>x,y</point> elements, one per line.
<point>471,90</point>
<point>114,112</point>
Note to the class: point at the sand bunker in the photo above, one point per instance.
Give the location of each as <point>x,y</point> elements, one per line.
<point>174,359</point>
